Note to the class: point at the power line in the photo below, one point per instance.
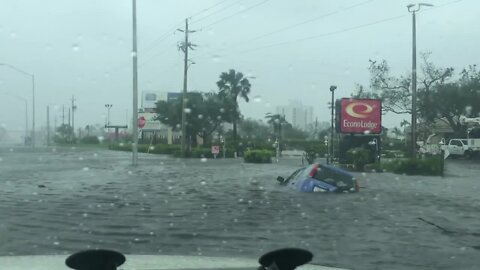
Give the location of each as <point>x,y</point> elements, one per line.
<point>299,24</point>
<point>329,33</point>
<point>234,14</point>
<point>208,8</point>
<point>310,20</point>
<point>216,12</point>
<point>326,34</point>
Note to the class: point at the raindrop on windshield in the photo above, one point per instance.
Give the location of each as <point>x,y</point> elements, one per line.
<point>86,169</point>
<point>216,58</point>
<point>200,116</point>
<point>203,183</point>
<point>75,47</point>
<point>203,159</point>
<point>188,110</point>
<point>257,99</point>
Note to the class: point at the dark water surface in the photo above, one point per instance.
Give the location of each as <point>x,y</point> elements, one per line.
<point>94,198</point>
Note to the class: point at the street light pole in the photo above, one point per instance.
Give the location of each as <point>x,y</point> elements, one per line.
<point>414,8</point>
<point>32,76</point>
<point>135,85</point>
<point>332,89</point>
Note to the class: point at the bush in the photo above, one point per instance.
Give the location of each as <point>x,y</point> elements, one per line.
<point>90,140</point>
<point>258,156</point>
<point>145,148</point>
<point>428,166</point>
<point>358,157</point>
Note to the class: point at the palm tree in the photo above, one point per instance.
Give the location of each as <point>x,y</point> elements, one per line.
<point>276,120</point>
<point>231,85</point>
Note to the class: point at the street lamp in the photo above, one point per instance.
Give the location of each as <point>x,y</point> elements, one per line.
<point>332,89</point>
<point>414,8</point>
<point>223,140</point>
<point>108,106</point>
<point>107,125</point>
<point>32,76</point>
<point>135,85</point>
<point>374,143</point>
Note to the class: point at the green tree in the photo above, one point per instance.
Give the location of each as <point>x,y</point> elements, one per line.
<point>232,85</point>
<point>277,121</point>
<point>253,129</point>
<point>439,96</point>
<point>205,113</point>
<point>395,92</point>
<point>64,134</point>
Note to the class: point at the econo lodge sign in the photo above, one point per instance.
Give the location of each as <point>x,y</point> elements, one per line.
<point>361,116</point>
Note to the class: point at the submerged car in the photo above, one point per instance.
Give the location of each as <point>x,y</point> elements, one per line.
<point>321,178</point>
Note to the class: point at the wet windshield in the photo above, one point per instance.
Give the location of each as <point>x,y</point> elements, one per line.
<point>160,128</point>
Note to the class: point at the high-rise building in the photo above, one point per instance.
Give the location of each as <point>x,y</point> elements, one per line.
<point>297,114</point>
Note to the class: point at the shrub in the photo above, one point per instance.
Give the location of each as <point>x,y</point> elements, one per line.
<point>358,157</point>
<point>258,156</point>
<point>428,166</point>
<point>145,148</point>
<point>90,140</point>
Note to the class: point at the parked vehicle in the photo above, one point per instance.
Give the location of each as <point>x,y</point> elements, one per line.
<point>463,147</point>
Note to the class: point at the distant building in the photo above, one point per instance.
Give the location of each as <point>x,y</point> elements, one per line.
<point>297,114</point>
<point>154,131</point>
<point>150,98</point>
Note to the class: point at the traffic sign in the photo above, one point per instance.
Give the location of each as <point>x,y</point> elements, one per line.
<point>141,122</point>
<point>215,149</point>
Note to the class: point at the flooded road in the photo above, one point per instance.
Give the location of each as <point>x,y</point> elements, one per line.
<point>57,201</point>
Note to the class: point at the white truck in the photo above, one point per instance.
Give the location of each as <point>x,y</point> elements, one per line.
<point>462,147</point>
<point>456,147</point>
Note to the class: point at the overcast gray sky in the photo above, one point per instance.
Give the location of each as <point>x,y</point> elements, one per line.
<point>82,48</point>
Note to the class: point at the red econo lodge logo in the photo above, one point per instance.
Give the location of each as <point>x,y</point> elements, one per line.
<point>361,116</point>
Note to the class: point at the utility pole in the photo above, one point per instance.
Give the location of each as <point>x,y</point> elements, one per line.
<point>74,107</point>
<point>184,47</point>
<point>48,125</point>
<point>63,115</point>
<point>69,113</point>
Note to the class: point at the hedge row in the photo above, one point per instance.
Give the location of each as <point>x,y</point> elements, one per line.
<point>145,148</point>
<point>258,156</point>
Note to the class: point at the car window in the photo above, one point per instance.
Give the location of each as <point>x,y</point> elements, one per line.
<point>465,142</point>
<point>295,174</point>
<point>456,143</point>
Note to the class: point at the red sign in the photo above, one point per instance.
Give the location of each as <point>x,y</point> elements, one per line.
<point>215,149</point>
<point>141,122</point>
<point>361,116</point>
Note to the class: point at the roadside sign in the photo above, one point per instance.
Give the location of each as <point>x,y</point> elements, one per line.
<point>141,122</point>
<point>215,149</point>
<point>362,116</point>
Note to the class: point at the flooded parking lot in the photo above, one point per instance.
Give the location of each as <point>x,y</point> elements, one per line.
<point>57,201</point>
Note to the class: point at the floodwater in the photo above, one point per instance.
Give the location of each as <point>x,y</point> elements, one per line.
<point>58,201</point>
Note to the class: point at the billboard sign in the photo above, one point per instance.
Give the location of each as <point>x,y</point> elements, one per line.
<point>172,96</point>
<point>150,98</point>
<point>362,116</point>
